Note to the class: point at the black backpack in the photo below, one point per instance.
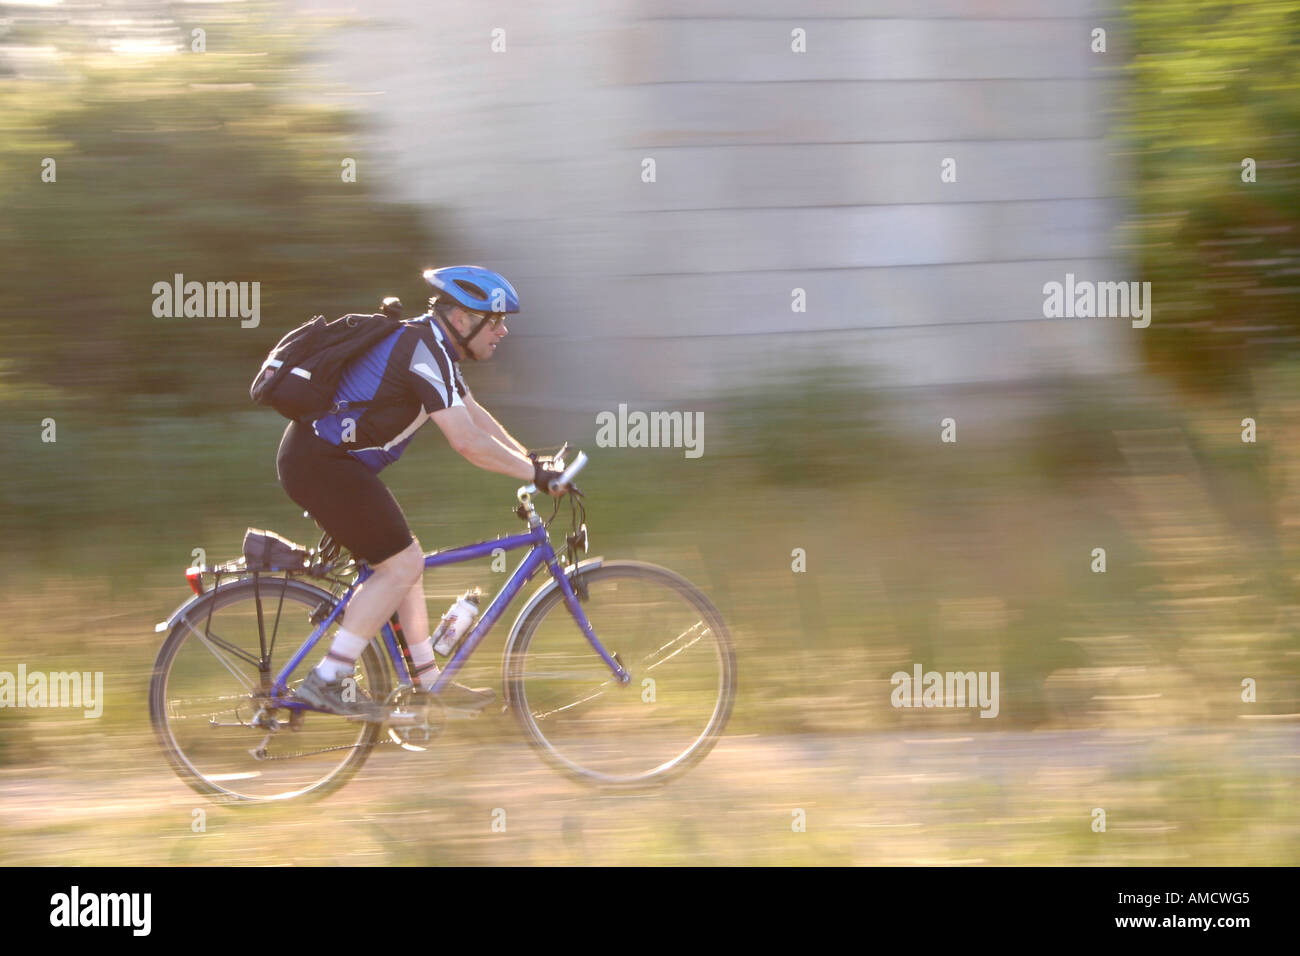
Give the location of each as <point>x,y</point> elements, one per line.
<point>301,374</point>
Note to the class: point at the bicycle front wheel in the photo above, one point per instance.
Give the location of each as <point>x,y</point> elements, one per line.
<point>582,721</point>
<point>210,705</point>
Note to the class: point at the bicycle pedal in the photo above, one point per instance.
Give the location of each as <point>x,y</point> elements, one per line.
<point>404,718</point>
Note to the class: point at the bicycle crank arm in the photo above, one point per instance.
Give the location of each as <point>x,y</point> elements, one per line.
<point>404,719</point>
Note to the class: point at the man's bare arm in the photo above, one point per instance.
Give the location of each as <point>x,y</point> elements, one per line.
<point>480,447</point>
<point>484,420</point>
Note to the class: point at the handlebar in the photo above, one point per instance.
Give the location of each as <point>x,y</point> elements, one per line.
<point>566,476</point>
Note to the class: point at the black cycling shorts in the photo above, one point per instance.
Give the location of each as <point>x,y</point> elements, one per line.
<point>345,497</point>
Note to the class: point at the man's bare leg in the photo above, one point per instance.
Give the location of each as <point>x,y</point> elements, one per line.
<point>371,605</point>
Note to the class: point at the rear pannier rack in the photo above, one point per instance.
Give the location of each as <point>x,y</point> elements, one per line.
<point>268,552</point>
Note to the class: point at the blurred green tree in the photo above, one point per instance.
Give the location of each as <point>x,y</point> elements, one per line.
<point>1216,82</point>
<point>218,166</point>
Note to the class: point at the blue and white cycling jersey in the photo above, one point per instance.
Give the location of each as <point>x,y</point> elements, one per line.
<point>412,372</point>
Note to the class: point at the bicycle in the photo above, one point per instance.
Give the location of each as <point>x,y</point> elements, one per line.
<point>585,710</point>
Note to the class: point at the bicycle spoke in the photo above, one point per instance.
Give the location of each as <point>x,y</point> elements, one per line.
<point>700,629</point>
<point>211,641</point>
<point>210,707</point>
<point>589,697</point>
<point>675,640</point>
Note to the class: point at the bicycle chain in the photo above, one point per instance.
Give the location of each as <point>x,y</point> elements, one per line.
<point>312,753</point>
<point>387,740</point>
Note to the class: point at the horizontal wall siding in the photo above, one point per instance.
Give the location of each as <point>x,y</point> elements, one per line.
<point>774,170</point>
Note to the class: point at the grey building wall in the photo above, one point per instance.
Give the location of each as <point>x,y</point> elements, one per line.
<point>775,170</point>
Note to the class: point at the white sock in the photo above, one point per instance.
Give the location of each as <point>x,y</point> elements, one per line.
<point>426,670</point>
<point>342,657</point>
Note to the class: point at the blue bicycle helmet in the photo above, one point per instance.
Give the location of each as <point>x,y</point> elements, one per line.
<point>475,288</point>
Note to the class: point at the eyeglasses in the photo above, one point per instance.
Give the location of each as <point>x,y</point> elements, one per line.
<point>494,319</point>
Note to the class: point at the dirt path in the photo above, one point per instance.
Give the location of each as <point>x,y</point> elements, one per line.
<point>1222,795</point>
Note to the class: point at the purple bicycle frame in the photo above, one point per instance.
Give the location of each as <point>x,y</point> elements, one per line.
<point>540,555</point>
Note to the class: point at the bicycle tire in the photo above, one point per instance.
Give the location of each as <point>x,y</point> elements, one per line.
<point>372,668</point>
<point>595,581</point>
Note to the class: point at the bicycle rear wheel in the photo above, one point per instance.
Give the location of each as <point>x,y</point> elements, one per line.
<point>671,639</point>
<point>209,706</point>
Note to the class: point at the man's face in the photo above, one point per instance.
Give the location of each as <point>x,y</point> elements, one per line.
<point>484,343</point>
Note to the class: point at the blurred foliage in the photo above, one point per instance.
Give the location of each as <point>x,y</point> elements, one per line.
<point>793,430</point>
<point>1215,82</point>
<point>221,166</point>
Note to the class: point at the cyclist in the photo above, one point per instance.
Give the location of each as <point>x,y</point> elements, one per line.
<point>330,467</point>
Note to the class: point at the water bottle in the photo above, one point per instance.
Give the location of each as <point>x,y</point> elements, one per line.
<point>456,623</point>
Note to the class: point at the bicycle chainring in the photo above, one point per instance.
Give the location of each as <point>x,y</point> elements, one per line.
<point>414,726</point>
